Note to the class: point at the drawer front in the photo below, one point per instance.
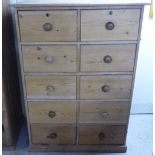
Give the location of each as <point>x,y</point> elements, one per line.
<point>116,24</point>
<point>103,112</point>
<point>109,134</point>
<point>51,87</point>
<point>48,25</point>
<point>52,112</point>
<point>107,57</point>
<point>105,87</point>
<point>47,134</point>
<point>49,58</point>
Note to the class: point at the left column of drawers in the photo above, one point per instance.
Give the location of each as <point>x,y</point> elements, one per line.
<point>49,68</point>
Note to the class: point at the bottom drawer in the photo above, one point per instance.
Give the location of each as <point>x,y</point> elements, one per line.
<point>47,134</point>
<point>108,134</point>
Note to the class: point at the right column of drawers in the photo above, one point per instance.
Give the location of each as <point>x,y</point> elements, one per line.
<point>108,67</point>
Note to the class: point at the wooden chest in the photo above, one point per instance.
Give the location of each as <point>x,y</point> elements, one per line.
<point>78,62</point>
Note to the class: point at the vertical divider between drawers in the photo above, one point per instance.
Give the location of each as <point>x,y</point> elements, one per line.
<point>78,76</point>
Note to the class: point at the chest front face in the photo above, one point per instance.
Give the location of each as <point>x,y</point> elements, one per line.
<point>78,65</point>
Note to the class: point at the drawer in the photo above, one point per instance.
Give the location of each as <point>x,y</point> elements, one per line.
<point>105,87</point>
<point>52,111</point>
<point>109,134</point>
<point>107,57</point>
<point>48,25</point>
<point>51,87</point>
<point>49,58</point>
<point>103,112</point>
<point>47,134</point>
<point>115,24</point>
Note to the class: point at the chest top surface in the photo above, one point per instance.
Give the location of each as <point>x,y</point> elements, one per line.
<point>79,2</point>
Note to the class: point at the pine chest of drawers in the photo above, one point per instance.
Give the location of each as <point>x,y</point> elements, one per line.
<point>78,63</point>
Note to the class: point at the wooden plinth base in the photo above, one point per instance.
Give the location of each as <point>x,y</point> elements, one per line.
<point>79,148</point>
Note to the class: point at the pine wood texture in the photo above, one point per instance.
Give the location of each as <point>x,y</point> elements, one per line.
<point>51,87</point>
<point>49,58</point>
<point>93,24</point>
<point>46,134</point>
<point>103,112</point>
<point>92,58</point>
<point>102,134</point>
<point>63,25</point>
<point>91,87</point>
<point>52,112</point>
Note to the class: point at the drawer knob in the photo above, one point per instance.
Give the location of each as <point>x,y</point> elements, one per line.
<point>109,25</point>
<point>47,26</point>
<point>104,114</point>
<point>107,59</point>
<point>105,88</point>
<point>101,136</point>
<point>51,114</point>
<point>50,88</point>
<point>52,136</point>
<point>49,59</point>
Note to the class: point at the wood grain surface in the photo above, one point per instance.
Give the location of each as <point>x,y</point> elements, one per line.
<point>93,24</point>
<point>51,87</point>
<point>119,85</point>
<point>52,112</point>
<point>103,112</point>
<point>49,58</point>
<point>92,58</point>
<point>102,134</point>
<point>42,134</point>
<point>63,25</point>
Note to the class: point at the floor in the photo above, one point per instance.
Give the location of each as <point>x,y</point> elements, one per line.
<point>139,139</point>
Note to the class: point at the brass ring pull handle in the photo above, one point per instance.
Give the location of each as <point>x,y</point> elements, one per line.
<point>101,136</point>
<point>49,59</point>
<point>109,25</point>
<point>47,26</point>
<point>107,59</point>
<point>105,88</point>
<point>51,114</point>
<point>50,88</point>
<point>52,136</point>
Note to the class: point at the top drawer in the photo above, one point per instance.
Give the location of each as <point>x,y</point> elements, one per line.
<point>48,25</point>
<point>117,24</point>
